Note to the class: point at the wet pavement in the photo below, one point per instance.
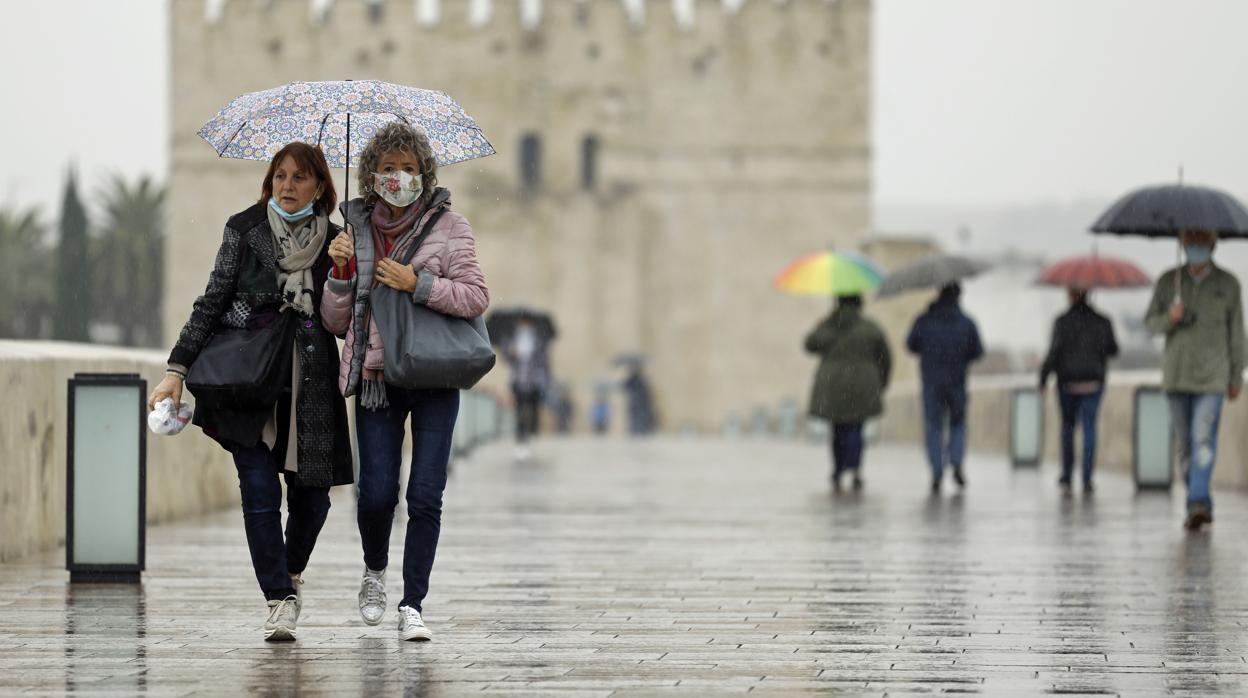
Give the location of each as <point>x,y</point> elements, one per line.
<point>684,567</point>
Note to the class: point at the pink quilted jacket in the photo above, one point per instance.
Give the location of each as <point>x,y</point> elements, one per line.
<point>449,280</point>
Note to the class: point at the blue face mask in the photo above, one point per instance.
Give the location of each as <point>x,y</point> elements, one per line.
<point>291,217</point>
<point>1198,255</point>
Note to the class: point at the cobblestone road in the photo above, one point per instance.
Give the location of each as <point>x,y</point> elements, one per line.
<point>685,567</point>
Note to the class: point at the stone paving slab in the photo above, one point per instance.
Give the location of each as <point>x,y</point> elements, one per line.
<point>673,567</point>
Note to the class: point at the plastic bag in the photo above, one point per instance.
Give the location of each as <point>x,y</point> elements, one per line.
<point>164,420</point>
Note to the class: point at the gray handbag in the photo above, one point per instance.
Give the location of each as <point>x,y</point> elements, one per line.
<point>425,348</point>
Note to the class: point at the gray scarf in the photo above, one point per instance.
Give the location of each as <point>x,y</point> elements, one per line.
<point>297,250</point>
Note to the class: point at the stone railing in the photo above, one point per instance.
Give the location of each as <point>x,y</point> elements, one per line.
<point>988,422</point>
<point>187,475</point>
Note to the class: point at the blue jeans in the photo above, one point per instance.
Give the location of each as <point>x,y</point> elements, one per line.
<point>380,433</point>
<point>944,405</point>
<point>1079,409</point>
<point>1194,419</point>
<point>274,558</point>
<point>846,447</point>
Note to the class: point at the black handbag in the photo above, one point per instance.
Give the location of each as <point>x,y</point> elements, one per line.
<point>244,369</point>
<point>425,348</point>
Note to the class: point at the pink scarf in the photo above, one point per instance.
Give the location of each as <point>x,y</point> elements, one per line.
<point>385,232</point>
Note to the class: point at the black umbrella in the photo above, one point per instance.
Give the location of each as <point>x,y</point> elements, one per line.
<point>1171,209</point>
<point>502,323</point>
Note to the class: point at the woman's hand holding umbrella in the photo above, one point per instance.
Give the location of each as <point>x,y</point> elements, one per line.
<point>342,249</point>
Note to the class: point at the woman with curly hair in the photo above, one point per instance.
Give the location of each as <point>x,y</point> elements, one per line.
<point>398,181</point>
<point>271,268</point>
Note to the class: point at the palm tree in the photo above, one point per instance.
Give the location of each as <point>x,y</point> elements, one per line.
<point>25,274</point>
<point>128,259</point>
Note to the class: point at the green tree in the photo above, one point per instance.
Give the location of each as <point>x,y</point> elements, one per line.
<point>25,278</point>
<point>128,259</point>
<point>73,281</point>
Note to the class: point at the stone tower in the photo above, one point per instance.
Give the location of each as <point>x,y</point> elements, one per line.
<point>659,161</point>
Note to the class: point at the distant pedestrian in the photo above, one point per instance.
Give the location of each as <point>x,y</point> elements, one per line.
<point>561,405</point>
<point>271,272</point>
<point>526,352</point>
<point>1199,309</point>
<point>600,410</point>
<point>854,368</point>
<point>1082,343</point>
<point>641,420</point>
<point>946,341</point>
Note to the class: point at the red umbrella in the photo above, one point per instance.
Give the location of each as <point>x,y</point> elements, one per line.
<point>1094,272</point>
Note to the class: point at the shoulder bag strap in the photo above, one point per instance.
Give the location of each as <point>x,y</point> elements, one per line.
<point>420,239</point>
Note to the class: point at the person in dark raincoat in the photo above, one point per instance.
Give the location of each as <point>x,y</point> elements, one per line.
<point>854,368</point>
<point>1083,341</point>
<point>946,341</point>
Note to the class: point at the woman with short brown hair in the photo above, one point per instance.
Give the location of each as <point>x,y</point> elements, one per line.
<point>398,174</point>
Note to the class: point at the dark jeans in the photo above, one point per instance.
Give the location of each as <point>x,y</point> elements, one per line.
<point>528,403</point>
<point>273,557</point>
<point>1079,409</point>
<point>944,404</point>
<point>380,433</point>
<point>846,447</point>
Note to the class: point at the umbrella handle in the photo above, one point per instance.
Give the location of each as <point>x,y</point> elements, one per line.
<point>346,191</point>
<point>1178,270</point>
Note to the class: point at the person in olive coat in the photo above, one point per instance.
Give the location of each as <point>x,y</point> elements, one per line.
<point>853,372</point>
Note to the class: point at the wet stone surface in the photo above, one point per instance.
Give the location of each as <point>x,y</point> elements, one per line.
<point>681,567</point>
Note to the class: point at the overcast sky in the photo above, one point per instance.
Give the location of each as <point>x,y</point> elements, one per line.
<point>977,102</point>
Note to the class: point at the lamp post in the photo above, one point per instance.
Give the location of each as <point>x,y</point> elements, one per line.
<point>1152,455</point>
<point>1026,427</point>
<point>106,484</point>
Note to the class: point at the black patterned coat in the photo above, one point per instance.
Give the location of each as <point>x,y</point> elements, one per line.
<point>242,292</point>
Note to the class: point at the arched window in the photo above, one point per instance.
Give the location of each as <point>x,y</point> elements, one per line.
<point>589,161</point>
<point>531,160</point>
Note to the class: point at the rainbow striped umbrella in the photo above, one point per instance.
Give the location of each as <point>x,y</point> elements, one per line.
<point>830,274</point>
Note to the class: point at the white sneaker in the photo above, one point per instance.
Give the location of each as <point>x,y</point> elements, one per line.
<point>373,596</point>
<point>296,581</point>
<point>411,627</point>
<point>283,615</point>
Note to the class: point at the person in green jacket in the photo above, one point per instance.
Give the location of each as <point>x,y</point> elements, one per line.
<point>854,368</point>
<point>1198,308</point>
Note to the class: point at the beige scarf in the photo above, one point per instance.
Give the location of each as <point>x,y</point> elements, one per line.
<point>297,250</point>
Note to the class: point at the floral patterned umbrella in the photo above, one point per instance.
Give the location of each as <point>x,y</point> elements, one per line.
<point>338,114</point>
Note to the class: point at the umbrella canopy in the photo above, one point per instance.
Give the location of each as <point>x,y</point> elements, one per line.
<point>1094,272</point>
<point>830,274</point>
<point>502,323</point>
<point>931,272</point>
<point>336,115</point>
<point>1168,210</point>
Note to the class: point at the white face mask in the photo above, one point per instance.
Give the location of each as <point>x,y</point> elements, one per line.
<point>399,189</point>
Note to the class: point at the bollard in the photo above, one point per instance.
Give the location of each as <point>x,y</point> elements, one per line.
<point>106,483</point>
<point>1151,440</point>
<point>1026,427</point>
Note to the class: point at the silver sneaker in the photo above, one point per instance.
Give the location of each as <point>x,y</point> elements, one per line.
<point>283,615</point>
<point>411,627</point>
<point>373,596</point>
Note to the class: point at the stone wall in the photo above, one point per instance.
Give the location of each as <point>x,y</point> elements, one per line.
<point>988,423</point>
<point>186,475</point>
<point>729,146</point>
